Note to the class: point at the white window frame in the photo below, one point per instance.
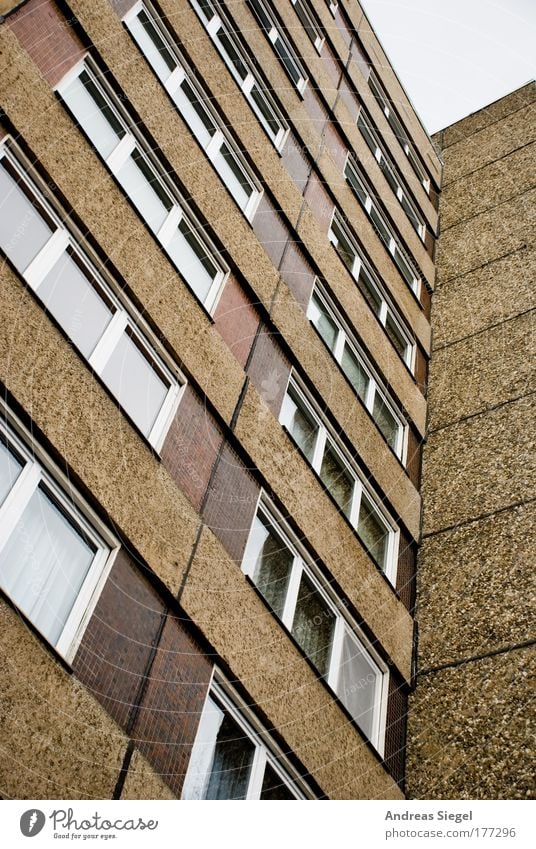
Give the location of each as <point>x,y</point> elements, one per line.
<point>172,84</point>
<point>267,752</point>
<point>398,130</point>
<point>133,141</point>
<point>213,25</point>
<point>327,439</point>
<point>40,472</point>
<point>302,564</point>
<point>400,192</point>
<point>333,7</point>
<point>274,34</point>
<point>352,175</point>
<point>124,315</point>
<point>310,15</point>
<point>386,309</point>
<point>346,338</point>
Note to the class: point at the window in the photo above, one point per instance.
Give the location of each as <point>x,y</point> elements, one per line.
<point>36,240</point>
<point>54,556</point>
<point>391,174</point>
<point>192,101</point>
<point>280,43</point>
<point>358,369</point>
<point>310,22</point>
<point>338,472</point>
<point>229,44</point>
<point>234,757</point>
<point>303,600</point>
<point>398,130</point>
<point>346,246</point>
<point>143,178</point>
<point>361,189</point>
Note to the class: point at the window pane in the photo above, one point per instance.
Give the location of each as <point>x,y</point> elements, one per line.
<point>273,563</point>
<point>357,684</point>
<point>231,763</point>
<point>232,54</point>
<point>337,480</point>
<point>134,382</point>
<point>273,787</point>
<point>264,108</point>
<point>314,625</point>
<point>373,532</point>
<point>94,114</point>
<point>368,290</point>
<point>396,336</point>
<point>233,176</point>
<point>408,209</point>
<point>343,247</point>
<point>355,372</point>
<point>74,303</point>
<point>157,53</point>
<point>287,60</point>
<point>303,428</point>
<point>404,268</point>
<point>43,565</point>
<point>10,468</point>
<point>23,232</point>
<point>379,226</point>
<point>192,261</point>
<point>195,114</point>
<point>323,323</point>
<point>385,420</point>
<point>357,185</point>
<point>145,191</point>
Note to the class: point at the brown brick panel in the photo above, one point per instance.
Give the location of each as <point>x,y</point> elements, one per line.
<point>413,461</point>
<point>191,447</point>
<point>331,65</point>
<point>167,721</point>
<point>319,202</point>
<point>429,242</point>
<point>231,503</point>
<point>426,299</point>
<point>121,6</point>
<point>421,369</point>
<point>297,273</point>
<point>315,108</point>
<point>349,99</point>
<point>405,574</point>
<point>270,230</point>
<point>395,729</point>
<point>335,145</point>
<point>296,161</point>
<point>343,28</point>
<point>48,37</point>
<point>236,319</point>
<point>113,656</point>
<point>269,370</point>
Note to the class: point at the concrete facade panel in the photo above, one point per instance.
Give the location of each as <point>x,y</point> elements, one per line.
<point>470,731</point>
<point>492,114</point>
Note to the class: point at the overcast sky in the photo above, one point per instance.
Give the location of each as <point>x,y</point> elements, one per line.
<point>455,56</point>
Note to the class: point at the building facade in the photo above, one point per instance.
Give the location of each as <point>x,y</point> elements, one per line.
<point>209,503</point>
<point>471,717</point>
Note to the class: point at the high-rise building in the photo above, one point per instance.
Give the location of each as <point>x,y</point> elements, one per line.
<point>217,226</point>
<point>471,718</point>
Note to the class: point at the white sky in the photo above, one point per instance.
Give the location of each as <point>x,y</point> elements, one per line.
<point>456,56</point>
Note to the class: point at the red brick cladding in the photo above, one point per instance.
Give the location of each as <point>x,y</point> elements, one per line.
<point>319,202</point>
<point>335,145</point>
<point>413,462</point>
<point>121,6</point>
<point>270,230</point>
<point>315,109</point>
<point>298,274</point>
<point>405,574</point>
<point>395,727</point>
<point>48,37</point>
<point>269,370</point>
<point>296,161</point>
<point>331,65</point>
<point>236,319</point>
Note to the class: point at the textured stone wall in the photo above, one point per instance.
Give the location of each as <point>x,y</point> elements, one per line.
<point>470,722</point>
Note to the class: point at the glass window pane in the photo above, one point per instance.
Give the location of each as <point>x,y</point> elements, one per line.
<point>232,54</point>
<point>357,185</point>
<point>157,52</point>
<point>343,247</point>
<point>323,323</point>
<point>195,113</point>
<point>273,787</point>
<point>233,176</point>
<point>287,60</point>
<point>337,480</point>
<point>314,625</point>
<point>44,564</point>
<point>23,232</point>
<point>94,114</point>
<point>132,379</point>
<point>273,563</point>
<point>404,268</point>
<point>385,420</point>
<point>408,209</point>
<point>396,336</point>
<point>74,303</point>
<point>380,226</point>
<point>357,684</point>
<point>303,428</point>
<point>10,468</point>
<point>355,372</point>
<point>192,261</point>
<point>144,190</point>
<point>232,761</point>
<point>264,108</point>
<point>368,290</point>
<point>373,532</point>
